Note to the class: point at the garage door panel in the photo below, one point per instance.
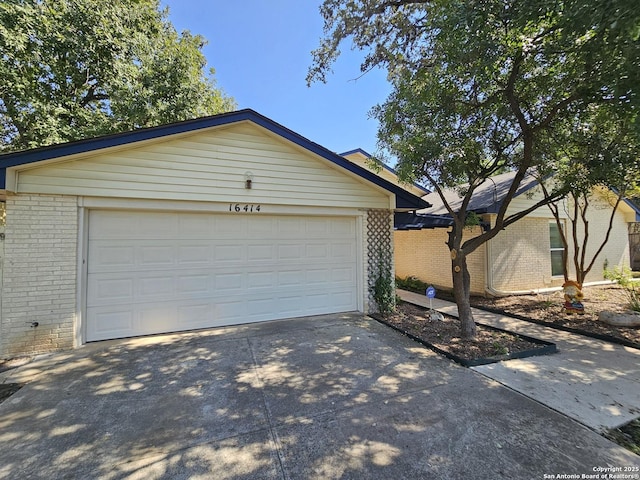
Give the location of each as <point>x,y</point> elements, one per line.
<point>230,226</point>
<point>317,301</point>
<point>193,284</point>
<point>105,288</point>
<point>229,253</point>
<point>340,251</point>
<point>156,287</point>
<point>193,227</point>
<point>318,276</point>
<point>343,299</point>
<point>229,281</point>
<point>260,280</point>
<point>157,255</point>
<point>110,322</point>
<point>318,229</point>
<point>116,224</point>
<point>113,289</point>
<point>261,253</point>
<point>341,226</point>
<point>157,318</point>
<point>262,227</point>
<point>261,308</point>
<point>317,251</point>
<point>291,227</point>
<point>290,251</point>
<point>290,305</point>
<point>291,278</point>
<point>195,316</point>
<point>208,270</point>
<point>106,257</point>
<point>195,254</point>
<point>344,275</point>
<point>234,311</point>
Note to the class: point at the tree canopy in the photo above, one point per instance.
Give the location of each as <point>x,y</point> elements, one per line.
<point>478,87</point>
<point>73,69</point>
<point>598,162</point>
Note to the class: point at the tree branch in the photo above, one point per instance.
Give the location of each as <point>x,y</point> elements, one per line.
<point>470,245</point>
<point>544,123</point>
<point>396,4</point>
<point>92,96</point>
<point>608,234</point>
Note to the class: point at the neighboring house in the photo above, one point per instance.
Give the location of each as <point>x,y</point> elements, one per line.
<point>215,221</point>
<point>363,159</point>
<point>525,257</point>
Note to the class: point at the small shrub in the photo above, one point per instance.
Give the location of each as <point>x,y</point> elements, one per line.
<point>383,289</point>
<point>623,277</point>
<point>412,284</point>
<point>500,349</point>
<point>545,304</point>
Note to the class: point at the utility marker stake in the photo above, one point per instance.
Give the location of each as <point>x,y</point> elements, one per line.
<point>431,293</point>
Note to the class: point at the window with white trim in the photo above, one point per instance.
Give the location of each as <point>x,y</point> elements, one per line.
<point>556,249</point>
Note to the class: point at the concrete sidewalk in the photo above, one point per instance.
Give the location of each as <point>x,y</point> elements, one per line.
<point>594,382</point>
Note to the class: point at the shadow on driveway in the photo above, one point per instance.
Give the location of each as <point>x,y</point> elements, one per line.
<point>337,396</point>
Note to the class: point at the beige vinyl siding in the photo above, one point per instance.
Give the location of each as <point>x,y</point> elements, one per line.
<point>204,166</point>
<point>527,200</point>
<point>363,161</point>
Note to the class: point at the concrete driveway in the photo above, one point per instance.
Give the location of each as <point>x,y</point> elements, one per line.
<point>336,396</point>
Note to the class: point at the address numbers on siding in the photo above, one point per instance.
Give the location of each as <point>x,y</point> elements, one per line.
<point>243,207</point>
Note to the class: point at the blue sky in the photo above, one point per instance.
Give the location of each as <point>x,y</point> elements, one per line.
<point>261,50</point>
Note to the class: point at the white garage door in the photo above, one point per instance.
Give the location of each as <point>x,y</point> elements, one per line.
<point>155,272</point>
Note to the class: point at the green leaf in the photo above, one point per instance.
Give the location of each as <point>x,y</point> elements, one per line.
<point>74,69</point>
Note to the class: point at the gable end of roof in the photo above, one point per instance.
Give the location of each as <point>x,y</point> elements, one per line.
<point>404,199</point>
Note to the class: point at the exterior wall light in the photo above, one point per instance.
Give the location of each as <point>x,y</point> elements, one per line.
<point>248,180</point>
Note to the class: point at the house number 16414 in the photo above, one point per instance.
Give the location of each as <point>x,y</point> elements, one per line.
<point>246,207</point>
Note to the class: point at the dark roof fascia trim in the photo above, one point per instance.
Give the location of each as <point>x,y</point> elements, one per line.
<point>368,155</point>
<point>404,199</point>
<point>420,221</point>
<point>356,150</point>
<point>628,202</point>
<point>119,139</point>
<point>632,206</point>
<point>496,207</point>
<point>385,166</point>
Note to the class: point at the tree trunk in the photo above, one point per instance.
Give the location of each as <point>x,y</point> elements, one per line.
<point>462,292</point>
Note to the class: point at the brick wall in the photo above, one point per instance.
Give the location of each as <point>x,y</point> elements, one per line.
<point>425,255</point>
<point>39,275</point>
<point>520,256</point>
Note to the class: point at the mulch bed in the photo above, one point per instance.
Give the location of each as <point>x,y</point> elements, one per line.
<point>546,309</point>
<point>490,345</point>
<point>8,389</point>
